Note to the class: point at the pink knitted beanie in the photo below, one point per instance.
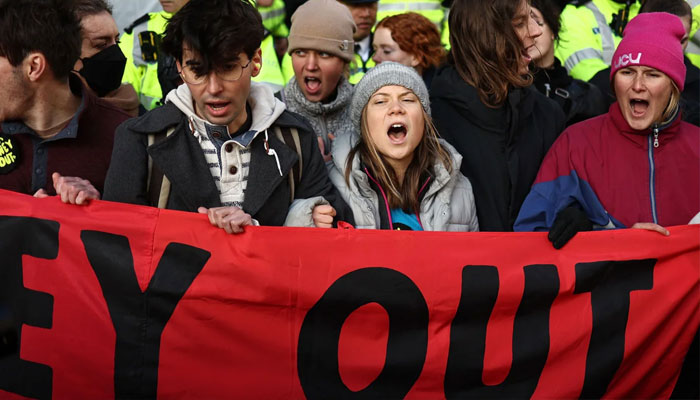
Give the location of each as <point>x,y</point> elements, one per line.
<point>652,40</point>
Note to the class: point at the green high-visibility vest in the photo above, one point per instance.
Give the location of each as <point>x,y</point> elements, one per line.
<point>586,42</point>
<point>273,18</point>
<point>358,68</point>
<point>141,69</point>
<point>693,49</point>
<point>270,70</point>
<point>430,9</point>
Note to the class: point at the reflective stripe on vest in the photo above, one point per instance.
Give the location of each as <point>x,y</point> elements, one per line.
<point>358,68</point>
<point>583,54</point>
<point>408,6</point>
<point>606,34</point>
<point>431,10</point>
<point>273,18</point>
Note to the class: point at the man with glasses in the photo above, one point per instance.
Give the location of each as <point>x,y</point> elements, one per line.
<point>221,145</point>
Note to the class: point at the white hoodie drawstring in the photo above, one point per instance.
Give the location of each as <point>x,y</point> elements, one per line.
<point>194,131</point>
<point>272,152</point>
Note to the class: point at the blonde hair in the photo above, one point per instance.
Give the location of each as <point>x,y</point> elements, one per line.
<point>673,104</point>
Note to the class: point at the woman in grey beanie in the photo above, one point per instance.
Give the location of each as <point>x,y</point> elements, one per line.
<point>321,48</point>
<point>395,173</point>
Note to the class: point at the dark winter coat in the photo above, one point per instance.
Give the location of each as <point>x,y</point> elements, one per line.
<point>578,99</point>
<point>502,147</point>
<point>180,157</point>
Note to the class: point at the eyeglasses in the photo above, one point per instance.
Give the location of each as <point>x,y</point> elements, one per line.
<point>229,73</point>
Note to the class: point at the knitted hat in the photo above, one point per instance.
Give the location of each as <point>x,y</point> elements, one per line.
<point>652,40</point>
<point>386,74</point>
<point>323,25</point>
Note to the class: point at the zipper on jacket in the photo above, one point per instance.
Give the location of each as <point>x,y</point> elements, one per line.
<point>652,171</point>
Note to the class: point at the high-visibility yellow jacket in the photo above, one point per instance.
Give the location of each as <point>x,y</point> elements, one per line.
<point>431,9</point>
<point>358,68</point>
<point>693,50</point>
<point>270,70</point>
<point>141,69</point>
<point>586,42</point>
<point>273,18</point>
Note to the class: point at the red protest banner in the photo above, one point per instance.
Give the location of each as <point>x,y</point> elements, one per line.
<point>113,300</point>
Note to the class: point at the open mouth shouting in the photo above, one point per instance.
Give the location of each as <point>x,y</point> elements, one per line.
<point>312,85</point>
<point>397,133</point>
<point>217,108</point>
<point>639,107</point>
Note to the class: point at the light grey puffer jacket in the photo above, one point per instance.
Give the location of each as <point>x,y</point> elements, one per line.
<point>448,204</point>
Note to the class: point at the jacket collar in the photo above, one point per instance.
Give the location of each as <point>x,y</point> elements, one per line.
<point>666,131</point>
<point>188,172</point>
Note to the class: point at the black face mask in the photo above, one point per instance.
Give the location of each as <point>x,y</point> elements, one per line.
<point>103,71</point>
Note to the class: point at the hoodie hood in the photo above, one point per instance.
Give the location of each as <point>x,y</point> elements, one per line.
<point>448,86</point>
<point>266,108</point>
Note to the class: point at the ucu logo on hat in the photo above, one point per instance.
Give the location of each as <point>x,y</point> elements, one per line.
<point>626,59</point>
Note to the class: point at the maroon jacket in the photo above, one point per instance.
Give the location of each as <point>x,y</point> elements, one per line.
<point>83,148</point>
<point>618,174</point>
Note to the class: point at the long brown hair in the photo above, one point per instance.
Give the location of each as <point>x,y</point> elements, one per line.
<point>485,48</point>
<point>416,35</point>
<point>404,194</point>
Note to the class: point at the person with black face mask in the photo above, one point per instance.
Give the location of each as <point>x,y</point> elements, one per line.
<point>101,64</point>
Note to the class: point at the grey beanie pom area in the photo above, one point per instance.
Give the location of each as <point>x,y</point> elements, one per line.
<point>387,74</point>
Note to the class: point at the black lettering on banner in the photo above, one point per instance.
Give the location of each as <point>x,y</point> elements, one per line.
<point>465,361</point>
<point>610,284</point>
<point>139,317</point>
<point>36,238</point>
<point>317,351</point>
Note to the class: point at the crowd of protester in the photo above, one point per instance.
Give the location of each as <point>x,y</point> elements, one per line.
<point>465,115</point>
<point>270,120</point>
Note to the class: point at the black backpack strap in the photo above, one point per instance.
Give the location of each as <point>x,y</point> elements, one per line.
<point>140,20</point>
<point>158,184</point>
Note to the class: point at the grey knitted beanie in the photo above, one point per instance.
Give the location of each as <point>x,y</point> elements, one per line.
<point>386,74</point>
<point>323,25</point>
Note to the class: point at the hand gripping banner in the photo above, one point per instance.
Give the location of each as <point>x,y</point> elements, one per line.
<point>119,301</point>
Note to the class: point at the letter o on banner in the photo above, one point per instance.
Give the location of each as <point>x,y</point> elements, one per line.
<point>317,351</point>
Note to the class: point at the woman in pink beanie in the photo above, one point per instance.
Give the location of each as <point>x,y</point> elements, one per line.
<point>636,166</point>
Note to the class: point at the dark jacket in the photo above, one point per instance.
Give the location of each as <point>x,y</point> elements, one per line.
<point>83,148</point>
<point>502,147</point>
<point>690,98</point>
<point>578,99</point>
<point>180,157</point>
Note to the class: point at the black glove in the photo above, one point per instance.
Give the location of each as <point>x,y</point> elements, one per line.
<point>569,221</point>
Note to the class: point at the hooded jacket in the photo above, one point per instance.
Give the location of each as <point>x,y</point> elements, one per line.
<point>180,157</point>
<point>618,175</point>
<point>447,202</point>
<point>325,118</point>
<point>502,148</point>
